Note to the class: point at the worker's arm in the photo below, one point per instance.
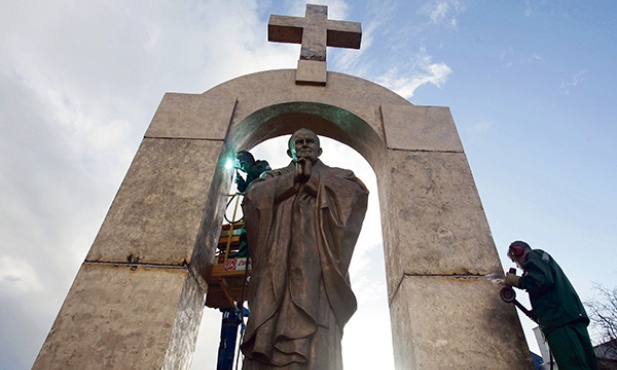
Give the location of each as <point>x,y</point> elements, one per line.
<point>538,276</point>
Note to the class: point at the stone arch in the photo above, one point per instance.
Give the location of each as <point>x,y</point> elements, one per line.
<point>157,242</point>
<point>324,119</point>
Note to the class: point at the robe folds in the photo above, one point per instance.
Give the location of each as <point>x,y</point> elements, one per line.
<point>301,240</point>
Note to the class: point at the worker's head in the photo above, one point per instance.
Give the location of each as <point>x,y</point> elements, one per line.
<point>244,158</point>
<point>304,144</point>
<point>517,251</point>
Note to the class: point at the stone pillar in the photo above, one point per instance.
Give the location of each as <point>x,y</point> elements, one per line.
<point>138,299</point>
<point>446,314</point>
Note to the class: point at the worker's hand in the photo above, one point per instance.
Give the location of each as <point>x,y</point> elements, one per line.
<point>512,280</point>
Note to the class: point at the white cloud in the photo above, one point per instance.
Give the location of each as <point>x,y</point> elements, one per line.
<point>533,58</point>
<point>505,54</point>
<point>481,126</point>
<point>510,57</point>
<point>349,60</point>
<point>443,12</point>
<point>18,276</point>
<point>566,87</point>
<point>530,9</point>
<point>424,72</point>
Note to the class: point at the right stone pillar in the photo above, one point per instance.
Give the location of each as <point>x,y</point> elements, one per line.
<point>446,313</point>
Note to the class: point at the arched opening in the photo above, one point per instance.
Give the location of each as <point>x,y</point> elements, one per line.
<point>369,330</point>
<point>324,119</point>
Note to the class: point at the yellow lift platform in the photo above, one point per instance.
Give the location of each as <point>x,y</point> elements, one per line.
<point>228,281</point>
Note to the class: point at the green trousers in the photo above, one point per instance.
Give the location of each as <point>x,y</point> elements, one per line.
<point>571,347</point>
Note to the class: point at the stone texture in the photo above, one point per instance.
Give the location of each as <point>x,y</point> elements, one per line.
<point>351,107</point>
<point>157,213</point>
<point>455,323</point>
<point>210,227</point>
<point>125,318</point>
<point>314,32</point>
<point>436,224</point>
<point>183,336</point>
<point>311,72</point>
<point>192,116</point>
<point>411,127</point>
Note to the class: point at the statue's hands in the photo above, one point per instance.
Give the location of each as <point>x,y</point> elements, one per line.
<point>303,170</point>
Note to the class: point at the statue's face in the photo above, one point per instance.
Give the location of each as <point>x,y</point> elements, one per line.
<point>304,144</point>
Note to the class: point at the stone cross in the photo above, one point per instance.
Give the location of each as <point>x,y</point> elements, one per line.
<point>315,32</point>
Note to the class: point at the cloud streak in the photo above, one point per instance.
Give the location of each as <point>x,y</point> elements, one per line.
<point>443,12</point>
<point>566,87</point>
<point>424,72</point>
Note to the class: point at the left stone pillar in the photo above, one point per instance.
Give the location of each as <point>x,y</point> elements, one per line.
<point>138,298</point>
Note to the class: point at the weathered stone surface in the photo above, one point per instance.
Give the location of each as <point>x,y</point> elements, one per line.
<point>455,323</point>
<point>123,318</point>
<point>183,336</point>
<point>192,116</point>
<point>264,91</point>
<point>436,224</point>
<point>157,213</point>
<point>311,72</point>
<point>314,32</point>
<point>411,127</point>
<point>210,227</point>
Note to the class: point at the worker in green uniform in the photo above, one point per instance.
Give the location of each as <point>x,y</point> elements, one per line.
<point>556,306</point>
<point>246,163</point>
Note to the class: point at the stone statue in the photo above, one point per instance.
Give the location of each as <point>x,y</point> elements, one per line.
<point>302,222</point>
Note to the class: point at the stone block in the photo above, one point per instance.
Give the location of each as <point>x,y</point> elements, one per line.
<point>124,318</point>
<point>311,72</point>
<point>192,116</point>
<point>158,211</point>
<point>411,127</point>
<point>436,223</point>
<point>455,323</point>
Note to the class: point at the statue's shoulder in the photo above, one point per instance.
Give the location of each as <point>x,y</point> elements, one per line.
<point>276,172</point>
<point>262,166</point>
<point>336,171</point>
<point>342,174</point>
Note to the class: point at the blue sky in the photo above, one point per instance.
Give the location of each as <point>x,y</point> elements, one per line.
<point>530,85</point>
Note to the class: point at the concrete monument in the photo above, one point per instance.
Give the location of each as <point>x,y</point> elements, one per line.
<point>138,298</point>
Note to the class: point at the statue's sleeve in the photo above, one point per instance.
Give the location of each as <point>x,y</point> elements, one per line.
<point>343,202</point>
<point>260,200</point>
<point>342,206</point>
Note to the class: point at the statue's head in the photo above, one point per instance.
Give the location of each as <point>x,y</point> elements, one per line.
<point>304,144</point>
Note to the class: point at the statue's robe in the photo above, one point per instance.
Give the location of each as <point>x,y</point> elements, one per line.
<point>301,240</point>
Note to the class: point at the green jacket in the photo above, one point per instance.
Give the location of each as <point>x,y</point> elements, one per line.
<point>553,298</point>
<point>253,171</point>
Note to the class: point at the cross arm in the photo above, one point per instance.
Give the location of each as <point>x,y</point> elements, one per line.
<point>342,34</point>
<point>285,29</point>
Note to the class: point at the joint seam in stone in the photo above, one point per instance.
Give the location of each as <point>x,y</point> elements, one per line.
<point>398,286</point>
<point>445,275</point>
<point>231,118</point>
<point>138,264</point>
<point>427,151</point>
<point>181,138</point>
